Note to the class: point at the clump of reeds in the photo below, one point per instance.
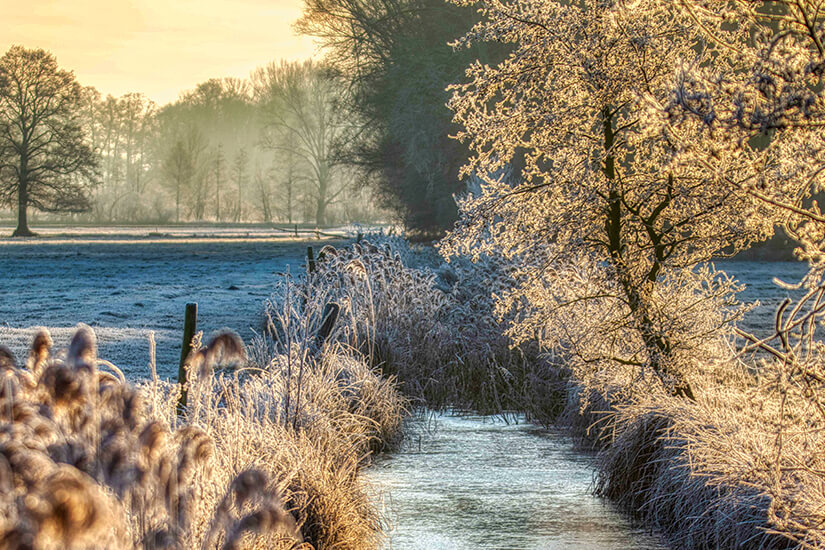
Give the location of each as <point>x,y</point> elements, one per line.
<point>686,470</point>
<point>433,328</point>
<point>308,415</point>
<point>87,461</point>
<point>740,467</point>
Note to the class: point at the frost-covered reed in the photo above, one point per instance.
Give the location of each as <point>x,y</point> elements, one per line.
<point>88,460</point>
<point>428,324</point>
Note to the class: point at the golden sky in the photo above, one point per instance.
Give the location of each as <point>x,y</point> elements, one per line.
<point>158,47</point>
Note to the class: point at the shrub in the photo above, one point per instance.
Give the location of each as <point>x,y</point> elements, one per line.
<point>432,327</point>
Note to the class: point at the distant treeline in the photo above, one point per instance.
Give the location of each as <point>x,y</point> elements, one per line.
<point>262,149</point>
<point>364,135</point>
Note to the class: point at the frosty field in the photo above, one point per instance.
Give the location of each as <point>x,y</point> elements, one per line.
<point>127,288</point>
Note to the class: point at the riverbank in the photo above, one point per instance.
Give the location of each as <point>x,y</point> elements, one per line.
<point>299,422</point>
<point>264,457</point>
<point>432,327</point>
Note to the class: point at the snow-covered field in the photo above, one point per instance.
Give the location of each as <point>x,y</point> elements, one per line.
<point>126,287</point>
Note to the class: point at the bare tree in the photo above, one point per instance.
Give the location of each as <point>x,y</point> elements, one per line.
<point>217,174</point>
<point>304,115</point>
<point>263,185</point>
<point>291,178</point>
<point>183,165</point>
<point>240,177</point>
<point>45,161</point>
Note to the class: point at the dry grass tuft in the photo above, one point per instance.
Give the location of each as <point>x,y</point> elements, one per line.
<point>433,330</point>
<point>705,473</point>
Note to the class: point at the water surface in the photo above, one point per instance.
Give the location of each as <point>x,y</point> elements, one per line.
<point>476,483</point>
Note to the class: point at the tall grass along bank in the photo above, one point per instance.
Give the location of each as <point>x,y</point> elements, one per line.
<point>88,460</point>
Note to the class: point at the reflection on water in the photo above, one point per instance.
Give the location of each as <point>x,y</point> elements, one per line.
<point>477,483</point>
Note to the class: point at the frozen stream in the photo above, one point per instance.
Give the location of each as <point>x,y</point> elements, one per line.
<point>466,483</point>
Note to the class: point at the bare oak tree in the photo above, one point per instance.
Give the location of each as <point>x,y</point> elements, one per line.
<point>45,161</point>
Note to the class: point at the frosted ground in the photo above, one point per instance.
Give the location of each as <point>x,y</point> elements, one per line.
<point>125,286</point>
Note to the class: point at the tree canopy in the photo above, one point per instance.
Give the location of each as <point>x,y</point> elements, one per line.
<point>304,117</point>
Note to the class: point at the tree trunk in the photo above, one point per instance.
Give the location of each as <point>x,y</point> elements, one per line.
<point>22,212</point>
<point>321,213</point>
<point>658,346</point>
<point>240,203</point>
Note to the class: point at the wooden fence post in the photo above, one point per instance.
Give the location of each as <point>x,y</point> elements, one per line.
<point>310,260</point>
<point>190,325</point>
<point>330,316</point>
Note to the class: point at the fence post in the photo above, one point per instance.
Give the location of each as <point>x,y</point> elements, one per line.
<point>190,325</point>
<point>330,316</point>
<point>310,260</point>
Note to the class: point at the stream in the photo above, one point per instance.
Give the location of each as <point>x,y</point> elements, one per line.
<point>470,482</point>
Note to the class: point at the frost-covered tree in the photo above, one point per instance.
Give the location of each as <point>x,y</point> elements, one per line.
<point>602,219</point>
<point>183,168</point>
<point>121,132</point>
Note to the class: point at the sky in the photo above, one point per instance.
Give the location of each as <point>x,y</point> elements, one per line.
<point>157,47</point>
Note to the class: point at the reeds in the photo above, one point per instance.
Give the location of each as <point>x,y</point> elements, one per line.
<point>431,328</point>
<point>89,461</point>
